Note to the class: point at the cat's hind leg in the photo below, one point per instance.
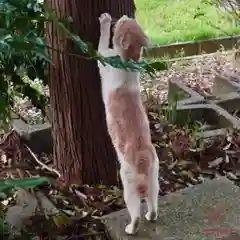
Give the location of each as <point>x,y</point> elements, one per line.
<point>105,26</point>
<point>132,199</point>
<point>152,198</point>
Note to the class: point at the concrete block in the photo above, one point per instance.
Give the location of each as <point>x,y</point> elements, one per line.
<point>37,136</point>
<point>214,133</point>
<point>188,96</point>
<point>229,102</point>
<point>206,113</point>
<point>207,211</point>
<point>216,111</point>
<point>224,84</point>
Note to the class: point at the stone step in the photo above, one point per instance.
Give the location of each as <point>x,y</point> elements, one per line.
<point>37,136</point>
<point>218,110</point>
<point>207,211</point>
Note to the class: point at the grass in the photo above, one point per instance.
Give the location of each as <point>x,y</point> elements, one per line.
<point>168,21</point>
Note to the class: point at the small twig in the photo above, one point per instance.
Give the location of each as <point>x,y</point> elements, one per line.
<point>78,193</point>
<point>68,53</point>
<point>80,196</point>
<point>27,169</point>
<point>111,200</point>
<point>20,173</point>
<point>42,164</point>
<point>6,136</point>
<point>71,195</point>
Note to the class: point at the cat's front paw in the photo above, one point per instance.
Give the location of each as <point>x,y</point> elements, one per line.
<point>151,216</point>
<point>105,18</point>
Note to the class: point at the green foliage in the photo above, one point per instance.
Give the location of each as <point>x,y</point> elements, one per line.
<point>21,30</point>
<point>3,228</point>
<point>170,111</point>
<point>169,21</point>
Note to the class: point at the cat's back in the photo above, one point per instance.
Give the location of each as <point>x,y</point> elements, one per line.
<point>126,113</point>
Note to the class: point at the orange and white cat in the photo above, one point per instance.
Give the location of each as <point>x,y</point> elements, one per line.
<point>127,122</point>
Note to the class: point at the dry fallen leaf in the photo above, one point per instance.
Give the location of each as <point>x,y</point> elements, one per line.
<point>231,176</point>
<point>216,162</point>
<point>227,159</point>
<point>227,146</point>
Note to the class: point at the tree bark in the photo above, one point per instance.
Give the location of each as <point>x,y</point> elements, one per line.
<point>83,152</point>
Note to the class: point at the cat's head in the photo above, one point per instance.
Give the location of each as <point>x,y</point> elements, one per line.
<point>129,38</point>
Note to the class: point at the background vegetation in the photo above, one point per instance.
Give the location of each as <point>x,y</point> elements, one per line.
<point>167,21</point>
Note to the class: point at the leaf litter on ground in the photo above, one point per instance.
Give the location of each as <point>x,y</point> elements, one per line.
<point>184,161</point>
<point>79,207</point>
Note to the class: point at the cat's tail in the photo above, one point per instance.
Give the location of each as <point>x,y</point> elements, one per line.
<point>143,163</point>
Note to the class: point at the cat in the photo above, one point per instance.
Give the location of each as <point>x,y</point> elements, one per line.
<point>127,122</point>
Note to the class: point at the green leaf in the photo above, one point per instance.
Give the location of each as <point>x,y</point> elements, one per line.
<point>22,183</point>
<point>130,65</point>
<point>4,229</point>
<point>60,220</point>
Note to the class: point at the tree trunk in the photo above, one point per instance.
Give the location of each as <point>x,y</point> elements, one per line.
<point>83,152</point>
